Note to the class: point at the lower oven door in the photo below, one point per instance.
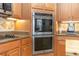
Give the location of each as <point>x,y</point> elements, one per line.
<point>42,44</point>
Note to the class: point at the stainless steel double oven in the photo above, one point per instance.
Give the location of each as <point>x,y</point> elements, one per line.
<point>42,32</point>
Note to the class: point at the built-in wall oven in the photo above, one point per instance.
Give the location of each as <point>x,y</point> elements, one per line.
<point>42,32</point>
<point>42,44</point>
<point>42,23</point>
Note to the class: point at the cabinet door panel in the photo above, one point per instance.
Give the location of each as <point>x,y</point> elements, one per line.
<point>38,5</point>
<point>61,48</point>
<point>17,10</point>
<point>14,52</point>
<point>50,6</point>
<point>26,11</point>
<point>9,45</point>
<point>64,11</point>
<point>27,41</point>
<point>27,50</point>
<point>2,54</point>
<point>75,11</point>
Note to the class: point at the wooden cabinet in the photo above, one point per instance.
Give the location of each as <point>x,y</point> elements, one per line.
<point>2,54</point>
<point>17,10</point>
<point>10,48</point>
<point>75,11</point>
<point>27,47</point>
<point>44,6</point>
<point>27,41</point>
<point>9,45</point>
<point>64,11</point>
<point>21,47</point>
<point>27,50</point>
<point>67,11</point>
<point>38,5</point>
<point>22,11</point>
<point>14,52</point>
<point>59,47</point>
<point>26,11</point>
<point>50,6</point>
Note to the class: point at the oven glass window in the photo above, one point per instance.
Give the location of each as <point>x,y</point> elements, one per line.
<point>43,25</point>
<point>43,43</point>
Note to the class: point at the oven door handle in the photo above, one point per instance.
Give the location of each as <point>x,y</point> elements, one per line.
<point>43,36</point>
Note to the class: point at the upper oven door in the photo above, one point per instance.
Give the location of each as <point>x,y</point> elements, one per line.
<point>42,23</point>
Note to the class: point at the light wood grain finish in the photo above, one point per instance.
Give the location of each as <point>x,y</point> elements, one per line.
<point>75,11</point>
<point>64,11</point>
<point>27,41</point>
<point>26,11</point>
<point>27,47</point>
<point>22,11</point>
<point>60,48</point>
<point>9,45</point>
<point>14,52</point>
<point>16,9</point>
<point>38,5</point>
<point>42,11</point>
<point>2,54</point>
<point>68,10</point>
<point>43,6</point>
<point>27,50</point>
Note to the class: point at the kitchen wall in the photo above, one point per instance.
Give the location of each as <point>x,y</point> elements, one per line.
<point>6,25</point>
<point>14,25</point>
<point>23,25</point>
<point>64,26</point>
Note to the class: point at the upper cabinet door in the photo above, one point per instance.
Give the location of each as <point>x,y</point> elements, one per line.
<point>64,11</point>
<point>26,11</point>
<point>22,10</point>
<point>38,5</point>
<point>44,6</point>
<point>50,6</point>
<point>75,11</point>
<point>17,8</point>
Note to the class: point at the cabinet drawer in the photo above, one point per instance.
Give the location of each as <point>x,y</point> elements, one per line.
<point>14,52</point>
<point>2,54</point>
<point>27,41</point>
<point>27,50</point>
<point>9,45</point>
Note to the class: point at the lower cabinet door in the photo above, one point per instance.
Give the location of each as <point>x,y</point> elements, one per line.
<point>61,48</point>
<point>2,54</point>
<point>14,52</point>
<point>27,50</point>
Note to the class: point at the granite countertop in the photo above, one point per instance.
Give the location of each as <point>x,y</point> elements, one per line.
<point>18,37</point>
<point>67,34</point>
<point>12,39</point>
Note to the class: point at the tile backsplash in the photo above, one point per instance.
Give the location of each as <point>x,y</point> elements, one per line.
<point>64,26</point>
<point>6,25</point>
